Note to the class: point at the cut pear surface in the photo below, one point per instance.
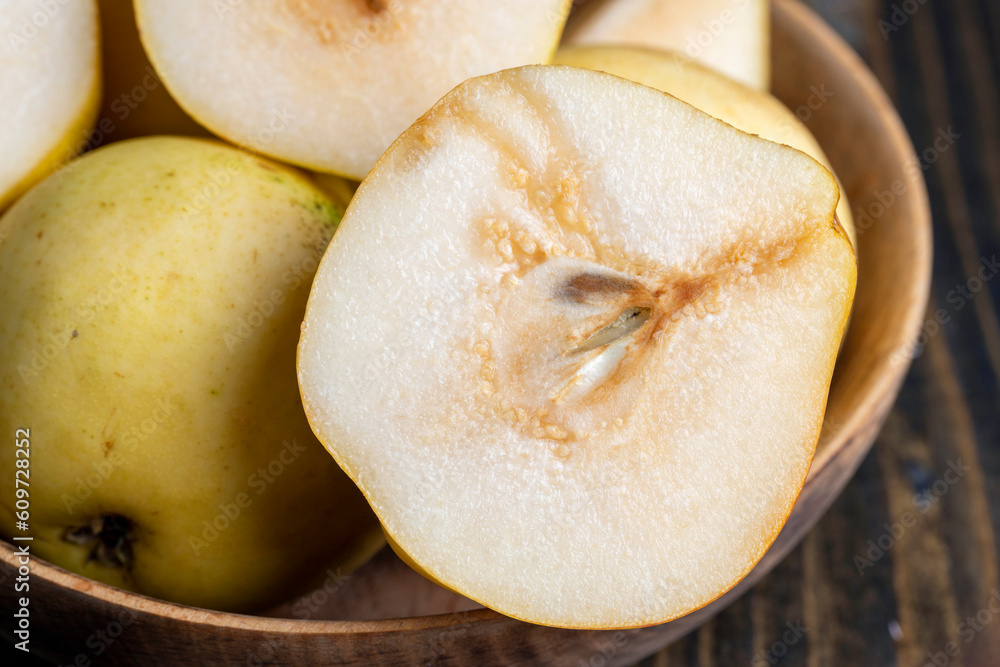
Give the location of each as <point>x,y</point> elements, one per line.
<point>329,84</point>
<point>731,36</point>
<point>574,339</point>
<point>753,111</point>
<point>49,88</point>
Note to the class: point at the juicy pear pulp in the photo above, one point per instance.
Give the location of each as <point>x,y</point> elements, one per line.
<point>329,84</point>
<point>574,339</point>
<point>49,87</point>
<point>730,36</point>
<point>753,111</point>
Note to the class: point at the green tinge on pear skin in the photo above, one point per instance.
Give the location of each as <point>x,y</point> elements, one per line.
<point>151,296</point>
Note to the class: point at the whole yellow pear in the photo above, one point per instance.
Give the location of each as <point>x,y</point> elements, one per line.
<point>151,295</point>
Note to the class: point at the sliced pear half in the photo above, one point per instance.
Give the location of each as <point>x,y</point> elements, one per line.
<point>731,36</point>
<point>50,88</point>
<point>574,339</point>
<point>753,111</point>
<point>329,84</point>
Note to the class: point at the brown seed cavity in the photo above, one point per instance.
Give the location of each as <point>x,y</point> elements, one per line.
<point>592,288</point>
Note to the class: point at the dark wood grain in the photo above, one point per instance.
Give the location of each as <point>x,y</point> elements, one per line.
<point>942,70</point>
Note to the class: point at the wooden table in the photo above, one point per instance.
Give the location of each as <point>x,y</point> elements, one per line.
<point>860,590</point>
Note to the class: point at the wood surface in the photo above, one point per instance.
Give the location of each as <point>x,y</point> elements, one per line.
<point>836,616</point>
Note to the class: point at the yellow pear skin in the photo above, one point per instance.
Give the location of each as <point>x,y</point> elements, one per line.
<point>152,294</point>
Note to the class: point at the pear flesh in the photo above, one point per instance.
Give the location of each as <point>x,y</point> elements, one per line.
<point>49,88</point>
<point>753,111</point>
<point>329,84</point>
<point>574,339</point>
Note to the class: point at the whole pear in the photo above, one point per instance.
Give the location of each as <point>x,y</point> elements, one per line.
<point>151,295</point>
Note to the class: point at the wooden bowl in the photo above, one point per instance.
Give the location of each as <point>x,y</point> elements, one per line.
<point>73,616</point>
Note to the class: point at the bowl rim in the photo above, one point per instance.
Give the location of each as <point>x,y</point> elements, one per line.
<point>888,376</point>
<point>878,397</point>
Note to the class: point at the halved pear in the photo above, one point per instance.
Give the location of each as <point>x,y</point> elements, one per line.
<point>753,111</point>
<point>731,36</point>
<point>329,84</point>
<point>50,88</point>
<point>574,339</point>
